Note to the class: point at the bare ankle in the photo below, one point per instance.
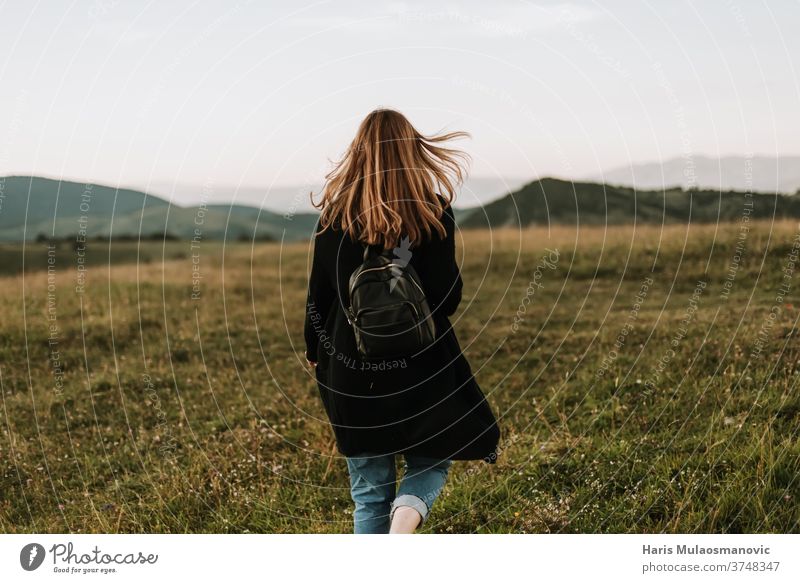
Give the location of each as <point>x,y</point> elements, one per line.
<point>405,520</point>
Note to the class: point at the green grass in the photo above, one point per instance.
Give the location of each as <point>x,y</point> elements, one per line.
<point>228,434</point>
<point>33,257</point>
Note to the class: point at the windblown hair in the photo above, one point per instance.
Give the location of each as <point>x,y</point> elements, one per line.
<point>387,184</point>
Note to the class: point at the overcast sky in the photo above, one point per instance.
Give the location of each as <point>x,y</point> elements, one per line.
<point>266,93</point>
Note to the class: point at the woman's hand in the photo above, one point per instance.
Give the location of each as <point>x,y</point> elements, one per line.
<point>310,363</point>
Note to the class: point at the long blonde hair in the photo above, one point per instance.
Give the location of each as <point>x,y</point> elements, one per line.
<point>386,184</point>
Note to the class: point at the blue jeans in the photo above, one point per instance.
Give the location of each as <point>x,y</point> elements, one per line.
<point>372,487</point>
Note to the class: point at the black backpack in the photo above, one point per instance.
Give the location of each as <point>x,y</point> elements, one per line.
<point>388,309</point>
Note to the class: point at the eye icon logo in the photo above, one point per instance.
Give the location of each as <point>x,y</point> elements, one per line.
<point>31,556</point>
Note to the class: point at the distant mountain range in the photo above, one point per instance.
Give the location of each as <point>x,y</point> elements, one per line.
<point>34,207</point>
<point>475,191</point>
<point>756,174</point>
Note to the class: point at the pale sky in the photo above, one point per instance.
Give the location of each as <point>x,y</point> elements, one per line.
<point>266,93</point>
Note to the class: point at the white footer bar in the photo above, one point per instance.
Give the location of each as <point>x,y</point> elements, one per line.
<point>388,559</point>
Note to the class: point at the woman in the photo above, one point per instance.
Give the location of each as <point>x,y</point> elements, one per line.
<point>426,406</point>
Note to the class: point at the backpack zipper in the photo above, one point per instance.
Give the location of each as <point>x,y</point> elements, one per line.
<point>382,268</point>
<point>418,325</point>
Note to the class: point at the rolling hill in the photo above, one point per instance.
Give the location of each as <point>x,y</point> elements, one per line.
<point>550,200</point>
<point>32,207</point>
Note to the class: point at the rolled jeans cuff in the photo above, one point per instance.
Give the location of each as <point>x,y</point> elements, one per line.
<point>414,502</point>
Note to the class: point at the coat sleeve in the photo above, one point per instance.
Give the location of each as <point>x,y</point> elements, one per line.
<point>319,301</point>
<point>441,276</point>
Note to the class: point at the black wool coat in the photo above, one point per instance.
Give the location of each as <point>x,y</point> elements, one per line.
<point>428,404</point>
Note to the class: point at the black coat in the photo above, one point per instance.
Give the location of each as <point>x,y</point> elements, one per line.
<point>429,404</point>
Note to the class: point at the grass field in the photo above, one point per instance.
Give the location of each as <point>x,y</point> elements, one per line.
<point>645,379</point>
